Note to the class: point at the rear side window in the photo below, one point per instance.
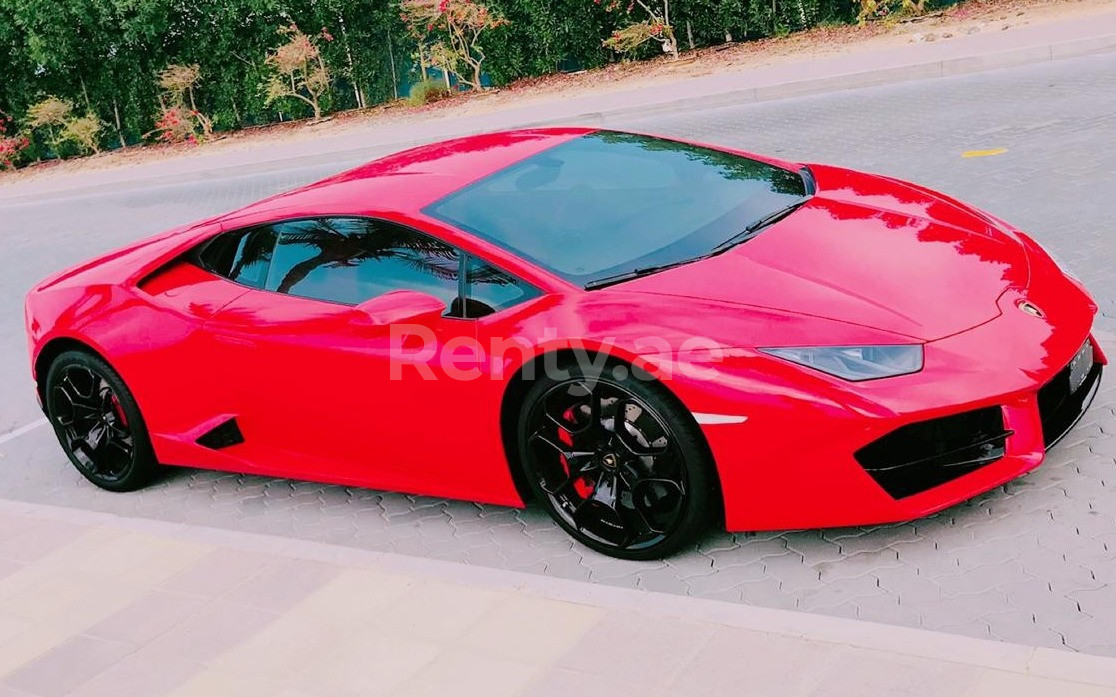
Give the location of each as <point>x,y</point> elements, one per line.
<point>350,260</point>
<point>243,256</point>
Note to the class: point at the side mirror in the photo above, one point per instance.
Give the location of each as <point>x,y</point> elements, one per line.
<point>398,306</point>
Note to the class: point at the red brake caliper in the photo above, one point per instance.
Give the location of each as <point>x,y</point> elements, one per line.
<point>583,489</point>
<point>118,410</point>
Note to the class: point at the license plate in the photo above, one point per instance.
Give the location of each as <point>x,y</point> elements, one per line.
<point>1080,367</point>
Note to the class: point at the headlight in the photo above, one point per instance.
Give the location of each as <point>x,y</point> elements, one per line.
<point>855,363</point>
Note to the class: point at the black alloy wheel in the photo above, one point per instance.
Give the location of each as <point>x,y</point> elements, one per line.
<point>620,465</point>
<point>98,422</point>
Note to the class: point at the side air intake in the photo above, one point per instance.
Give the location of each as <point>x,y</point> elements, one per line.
<point>222,436</point>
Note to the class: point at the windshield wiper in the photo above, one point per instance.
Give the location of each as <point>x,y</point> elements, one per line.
<point>754,228</point>
<point>743,236</point>
<point>637,273</point>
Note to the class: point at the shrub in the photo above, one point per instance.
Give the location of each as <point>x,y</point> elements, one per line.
<point>83,133</point>
<point>179,120</point>
<point>180,124</point>
<point>874,9</point>
<point>49,117</point>
<point>298,70</point>
<point>456,28</point>
<point>12,145</point>
<point>655,25</point>
<point>55,118</point>
<point>427,92</point>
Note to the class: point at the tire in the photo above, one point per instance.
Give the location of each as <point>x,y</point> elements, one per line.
<point>633,479</point>
<point>98,422</point>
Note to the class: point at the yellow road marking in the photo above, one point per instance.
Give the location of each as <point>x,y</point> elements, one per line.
<point>983,153</point>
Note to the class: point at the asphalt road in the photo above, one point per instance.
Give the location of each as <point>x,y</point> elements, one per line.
<point>1031,562</point>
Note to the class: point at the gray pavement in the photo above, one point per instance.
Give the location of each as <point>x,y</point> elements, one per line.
<point>1028,563</point>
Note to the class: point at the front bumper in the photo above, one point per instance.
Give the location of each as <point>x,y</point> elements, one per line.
<point>793,463</point>
<point>921,456</point>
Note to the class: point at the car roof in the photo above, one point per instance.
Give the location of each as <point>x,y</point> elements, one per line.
<point>407,181</point>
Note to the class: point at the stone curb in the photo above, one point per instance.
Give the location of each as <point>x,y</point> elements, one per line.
<point>893,74</point>
<point>1013,658</point>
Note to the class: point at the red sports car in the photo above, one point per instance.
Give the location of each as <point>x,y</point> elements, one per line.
<point>646,336</point>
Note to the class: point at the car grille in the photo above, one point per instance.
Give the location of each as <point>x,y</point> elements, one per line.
<point>922,455</point>
<point>1065,398</point>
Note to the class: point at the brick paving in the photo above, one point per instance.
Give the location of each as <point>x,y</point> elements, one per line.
<point>1030,562</point>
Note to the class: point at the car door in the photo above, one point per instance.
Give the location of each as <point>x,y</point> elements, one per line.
<point>324,391</point>
<point>180,395</point>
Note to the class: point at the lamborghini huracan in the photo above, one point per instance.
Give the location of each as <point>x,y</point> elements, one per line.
<point>644,336</point>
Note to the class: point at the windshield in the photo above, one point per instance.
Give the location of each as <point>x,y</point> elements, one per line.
<point>612,203</point>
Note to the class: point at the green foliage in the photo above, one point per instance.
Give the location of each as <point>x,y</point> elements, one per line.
<point>53,119</point>
<point>83,133</point>
<point>427,91</point>
<point>104,56</point>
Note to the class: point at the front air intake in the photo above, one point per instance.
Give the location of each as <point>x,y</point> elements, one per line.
<point>923,455</point>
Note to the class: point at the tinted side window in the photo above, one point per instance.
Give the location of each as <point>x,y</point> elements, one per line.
<point>350,260</point>
<point>489,289</point>
<point>242,255</point>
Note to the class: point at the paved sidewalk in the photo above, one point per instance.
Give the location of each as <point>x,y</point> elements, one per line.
<point>858,67</point>
<point>94,605</point>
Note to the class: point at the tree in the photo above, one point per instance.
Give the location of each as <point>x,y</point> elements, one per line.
<point>56,118</point>
<point>456,27</point>
<point>299,71</point>
<point>179,119</point>
<point>654,26</point>
<point>49,117</point>
<point>84,132</point>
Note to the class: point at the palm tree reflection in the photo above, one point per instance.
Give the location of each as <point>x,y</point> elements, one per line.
<point>353,242</point>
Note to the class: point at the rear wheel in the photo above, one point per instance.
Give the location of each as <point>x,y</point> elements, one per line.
<point>98,422</point>
<point>617,463</point>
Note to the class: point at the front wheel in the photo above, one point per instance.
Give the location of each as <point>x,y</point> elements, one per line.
<point>617,462</point>
<point>98,422</point>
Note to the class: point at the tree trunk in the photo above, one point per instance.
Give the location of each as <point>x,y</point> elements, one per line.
<point>394,77</point>
<point>673,42</point>
<point>119,130</point>
<point>85,93</point>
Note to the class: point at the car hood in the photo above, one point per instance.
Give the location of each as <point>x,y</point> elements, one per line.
<point>866,250</point>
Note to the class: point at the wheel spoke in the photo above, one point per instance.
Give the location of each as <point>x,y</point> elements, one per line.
<point>600,513</point>
<point>577,465</point>
<point>564,452</point>
<point>652,498</point>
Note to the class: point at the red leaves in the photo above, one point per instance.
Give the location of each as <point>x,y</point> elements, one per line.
<point>10,146</point>
<point>178,124</point>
